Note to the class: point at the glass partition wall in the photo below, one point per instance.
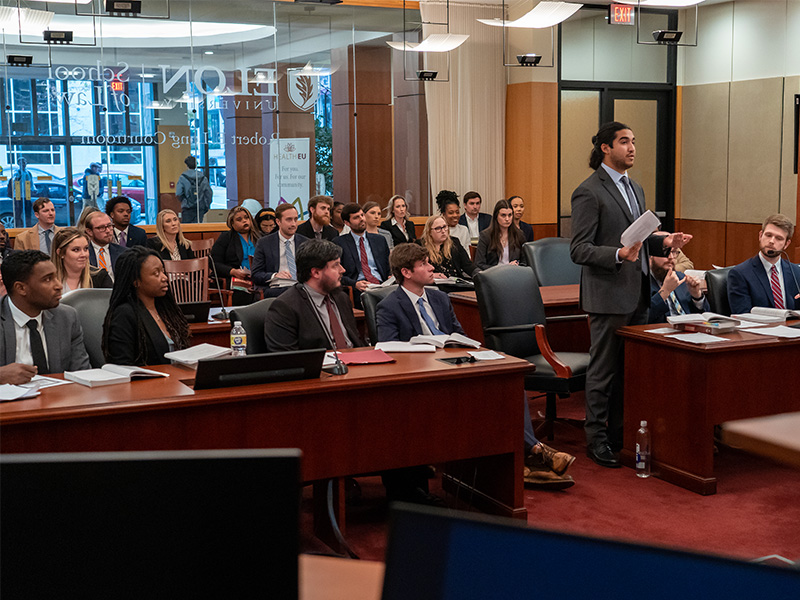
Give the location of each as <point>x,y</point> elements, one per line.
<point>277,102</point>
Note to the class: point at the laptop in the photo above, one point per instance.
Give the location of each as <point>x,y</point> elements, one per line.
<point>253,369</point>
<point>195,312</point>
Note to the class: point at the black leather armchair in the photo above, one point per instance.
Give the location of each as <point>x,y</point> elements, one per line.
<point>512,317</point>
<point>369,301</point>
<point>252,318</point>
<point>717,292</point>
<point>550,261</point>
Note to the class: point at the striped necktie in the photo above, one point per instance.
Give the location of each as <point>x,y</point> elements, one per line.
<point>101,259</point>
<point>290,259</point>
<point>775,284</point>
<point>362,250</point>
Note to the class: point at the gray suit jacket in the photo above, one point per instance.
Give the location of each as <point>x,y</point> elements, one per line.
<point>63,333</point>
<point>599,216</point>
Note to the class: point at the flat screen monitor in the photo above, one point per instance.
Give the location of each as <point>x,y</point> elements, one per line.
<point>435,554</point>
<point>125,525</point>
<point>195,312</point>
<point>259,368</point>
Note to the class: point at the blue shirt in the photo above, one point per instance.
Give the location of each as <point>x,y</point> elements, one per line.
<point>248,249</point>
<point>370,260</point>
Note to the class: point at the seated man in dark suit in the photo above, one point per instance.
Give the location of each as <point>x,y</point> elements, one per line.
<point>365,256</point>
<point>37,335</point>
<point>766,280</point>
<point>672,293</point>
<point>291,323</point>
<point>275,253</point>
<point>318,225</point>
<point>413,310</point>
<point>473,219</point>
<point>103,252</point>
<point>126,235</point>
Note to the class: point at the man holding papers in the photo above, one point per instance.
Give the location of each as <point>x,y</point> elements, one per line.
<point>673,293</point>
<point>615,288</point>
<point>37,335</point>
<point>766,279</point>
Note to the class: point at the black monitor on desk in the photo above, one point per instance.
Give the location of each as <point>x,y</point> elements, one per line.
<point>436,554</point>
<point>254,369</point>
<point>189,524</point>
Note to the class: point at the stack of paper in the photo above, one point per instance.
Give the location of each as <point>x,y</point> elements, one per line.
<point>190,356</point>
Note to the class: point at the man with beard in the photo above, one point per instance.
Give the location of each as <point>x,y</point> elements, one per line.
<point>673,293</point>
<point>318,226</point>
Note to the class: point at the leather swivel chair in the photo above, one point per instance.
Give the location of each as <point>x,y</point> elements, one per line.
<point>717,292</point>
<point>92,306</point>
<point>549,258</point>
<point>512,318</point>
<point>253,318</point>
<point>369,301</point>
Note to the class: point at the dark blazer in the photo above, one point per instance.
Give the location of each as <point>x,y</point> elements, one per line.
<point>114,251</point>
<point>306,230</point>
<point>398,321</point>
<point>136,236</point>
<point>484,220</point>
<point>459,264</point>
<point>485,258</point>
<point>351,259</point>
<point>100,278</point>
<point>748,286</point>
<point>63,336</point>
<point>526,230</point>
<point>267,257</point>
<point>397,234</point>
<point>292,325</point>
<point>123,339</point>
<point>227,253</point>
<point>599,216</point>
<point>155,244</point>
<point>659,308</point>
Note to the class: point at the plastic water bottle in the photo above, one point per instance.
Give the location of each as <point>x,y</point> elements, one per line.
<point>643,451</point>
<point>238,339</point>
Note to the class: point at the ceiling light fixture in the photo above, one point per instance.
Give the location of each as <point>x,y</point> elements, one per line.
<point>543,15</point>
<point>665,37</point>
<point>436,42</point>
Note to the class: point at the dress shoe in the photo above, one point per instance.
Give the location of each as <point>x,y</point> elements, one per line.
<point>543,455</point>
<point>603,456</point>
<point>544,479</point>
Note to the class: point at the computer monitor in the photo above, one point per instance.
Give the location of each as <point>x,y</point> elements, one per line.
<point>259,368</point>
<point>435,554</point>
<point>188,524</point>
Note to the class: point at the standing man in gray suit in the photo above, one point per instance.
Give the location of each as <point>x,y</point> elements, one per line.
<point>614,279</point>
<point>37,335</point>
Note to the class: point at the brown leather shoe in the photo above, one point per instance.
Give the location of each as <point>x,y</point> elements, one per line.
<point>545,479</point>
<point>545,456</point>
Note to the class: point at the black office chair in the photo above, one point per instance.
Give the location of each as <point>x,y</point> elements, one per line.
<point>369,301</point>
<point>512,317</point>
<point>92,306</point>
<point>550,261</point>
<point>252,318</point>
<point>717,293</point>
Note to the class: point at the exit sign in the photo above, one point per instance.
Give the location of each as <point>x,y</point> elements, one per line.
<point>117,86</point>
<point>620,14</point>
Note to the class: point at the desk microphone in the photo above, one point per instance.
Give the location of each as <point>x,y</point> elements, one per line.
<point>223,314</point>
<point>339,368</point>
<point>791,270</point>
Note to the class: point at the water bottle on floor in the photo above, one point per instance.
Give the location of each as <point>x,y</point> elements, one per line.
<point>643,450</point>
<point>238,339</point>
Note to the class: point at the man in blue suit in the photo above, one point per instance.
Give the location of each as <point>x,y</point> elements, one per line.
<point>411,309</point>
<point>473,219</point>
<point>275,253</point>
<point>766,280</point>
<point>103,253</point>
<point>672,292</point>
<point>360,248</point>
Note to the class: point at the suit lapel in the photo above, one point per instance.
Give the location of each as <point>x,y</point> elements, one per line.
<point>761,276</point>
<point>789,285</point>
<point>613,190</point>
<point>9,333</point>
<point>52,336</point>
<point>408,309</point>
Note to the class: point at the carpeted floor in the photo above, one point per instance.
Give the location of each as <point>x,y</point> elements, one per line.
<point>754,513</point>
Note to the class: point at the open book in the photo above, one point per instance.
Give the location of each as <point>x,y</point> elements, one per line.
<point>111,374</point>
<point>191,355</point>
<point>706,317</point>
<point>774,312</point>
<point>454,281</point>
<point>440,341</point>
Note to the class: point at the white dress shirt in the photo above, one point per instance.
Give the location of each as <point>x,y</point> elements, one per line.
<point>428,308</point>
<point>462,234</point>
<point>768,268</point>
<point>23,334</point>
<point>107,254</point>
<point>473,227</point>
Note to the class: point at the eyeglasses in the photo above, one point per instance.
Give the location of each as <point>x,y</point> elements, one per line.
<point>103,227</point>
<point>439,229</point>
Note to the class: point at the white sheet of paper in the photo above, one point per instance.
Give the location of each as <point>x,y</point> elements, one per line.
<point>485,355</point>
<point>749,325</point>
<point>640,229</point>
<point>404,347</point>
<point>697,338</point>
<point>41,382</point>
<point>16,392</point>
<point>777,331</point>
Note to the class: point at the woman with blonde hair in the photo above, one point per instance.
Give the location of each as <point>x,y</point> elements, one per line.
<point>445,253</point>
<point>70,254</point>
<point>397,224</point>
<point>169,241</point>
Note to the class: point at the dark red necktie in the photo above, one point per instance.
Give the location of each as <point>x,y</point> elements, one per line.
<point>336,329</point>
<point>775,284</point>
<point>365,263</point>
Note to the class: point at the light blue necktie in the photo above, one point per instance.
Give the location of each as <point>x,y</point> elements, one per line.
<point>290,259</point>
<point>427,318</point>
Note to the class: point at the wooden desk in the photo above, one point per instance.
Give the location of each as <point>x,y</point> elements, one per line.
<point>682,390</point>
<point>567,325</point>
<point>330,578</point>
<point>414,411</point>
<point>776,437</point>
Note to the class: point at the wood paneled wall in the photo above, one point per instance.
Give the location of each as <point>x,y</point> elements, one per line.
<point>532,149</point>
